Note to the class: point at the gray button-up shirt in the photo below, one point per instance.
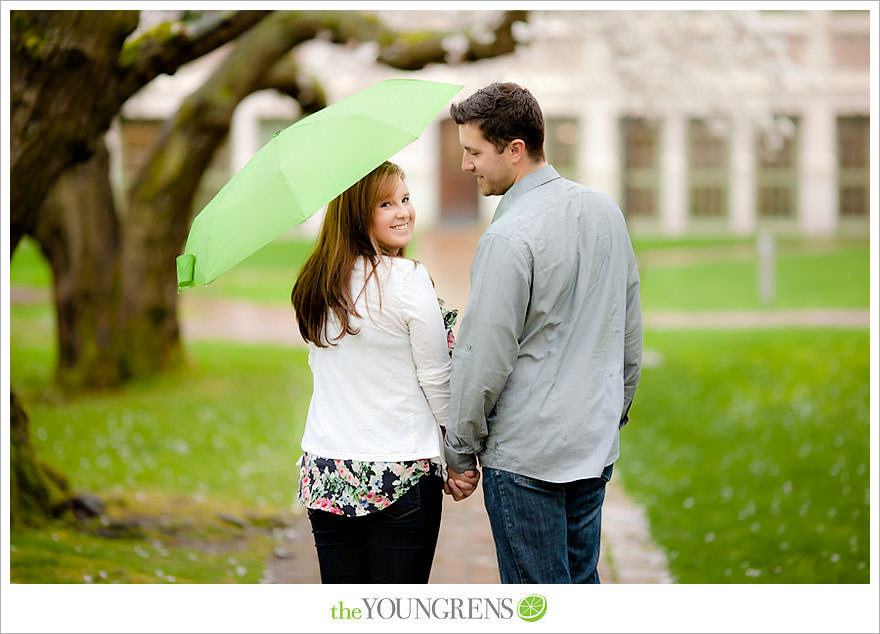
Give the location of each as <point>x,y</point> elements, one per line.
<point>548,354</point>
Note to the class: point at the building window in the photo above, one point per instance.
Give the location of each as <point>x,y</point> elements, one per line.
<point>707,170</point>
<point>852,165</point>
<point>641,166</point>
<point>138,136</point>
<point>561,144</point>
<point>851,50</point>
<point>776,152</point>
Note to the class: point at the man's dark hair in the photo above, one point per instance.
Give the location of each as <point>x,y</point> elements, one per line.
<point>504,112</point>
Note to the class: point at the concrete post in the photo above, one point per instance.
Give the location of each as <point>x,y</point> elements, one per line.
<point>766,269</point>
<point>673,175</point>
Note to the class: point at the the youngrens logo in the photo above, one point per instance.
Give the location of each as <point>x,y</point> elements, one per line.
<point>530,608</point>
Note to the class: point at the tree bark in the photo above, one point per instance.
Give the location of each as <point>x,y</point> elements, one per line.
<point>61,63</point>
<point>79,235</point>
<point>70,72</point>
<point>35,489</point>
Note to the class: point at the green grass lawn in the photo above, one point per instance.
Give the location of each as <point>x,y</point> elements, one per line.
<point>63,554</point>
<point>227,427</point>
<point>725,276</point>
<point>222,435</point>
<point>750,452</point>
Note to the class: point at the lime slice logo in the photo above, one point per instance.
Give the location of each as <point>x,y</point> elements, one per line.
<point>532,607</point>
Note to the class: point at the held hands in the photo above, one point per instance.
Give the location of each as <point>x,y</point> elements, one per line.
<point>461,485</point>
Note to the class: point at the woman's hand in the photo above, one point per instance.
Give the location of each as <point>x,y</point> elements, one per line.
<point>461,485</point>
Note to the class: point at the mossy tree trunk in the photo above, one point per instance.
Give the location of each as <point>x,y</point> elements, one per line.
<point>79,235</point>
<point>63,67</point>
<point>35,488</point>
<point>70,72</point>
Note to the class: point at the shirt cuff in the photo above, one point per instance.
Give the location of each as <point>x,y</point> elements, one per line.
<point>460,462</point>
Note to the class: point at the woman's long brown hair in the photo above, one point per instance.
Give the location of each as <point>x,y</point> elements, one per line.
<point>324,284</point>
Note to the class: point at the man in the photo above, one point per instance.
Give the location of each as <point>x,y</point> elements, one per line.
<point>548,354</point>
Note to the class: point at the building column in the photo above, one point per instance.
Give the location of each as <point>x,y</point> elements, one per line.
<point>599,150</point>
<point>743,216</point>
<point>817,171</point>
<point>817,154</point>
<point>673,175</point>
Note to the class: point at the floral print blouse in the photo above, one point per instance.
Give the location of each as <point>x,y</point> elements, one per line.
<point>354,488</point>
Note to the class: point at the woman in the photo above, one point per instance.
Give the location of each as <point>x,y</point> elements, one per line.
<point>373,467</point>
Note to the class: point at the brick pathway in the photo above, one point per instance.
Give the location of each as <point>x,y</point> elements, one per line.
<point>466,553</point>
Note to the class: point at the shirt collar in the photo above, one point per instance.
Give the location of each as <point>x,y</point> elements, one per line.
<point>527,183</point>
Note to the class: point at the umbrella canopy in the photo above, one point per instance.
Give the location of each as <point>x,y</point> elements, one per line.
<point>303,168</point>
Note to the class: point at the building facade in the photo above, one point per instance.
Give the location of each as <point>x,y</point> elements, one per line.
<point>695,122</point>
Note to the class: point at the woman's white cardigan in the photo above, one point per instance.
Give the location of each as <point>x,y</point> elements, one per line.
<point>383,394</point>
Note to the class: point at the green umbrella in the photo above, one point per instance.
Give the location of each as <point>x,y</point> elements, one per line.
<point>303,168</point>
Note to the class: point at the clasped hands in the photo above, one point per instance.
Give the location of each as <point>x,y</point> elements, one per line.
<point>461,485</point>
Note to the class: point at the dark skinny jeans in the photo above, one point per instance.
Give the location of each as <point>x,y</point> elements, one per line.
<point>394,545</point>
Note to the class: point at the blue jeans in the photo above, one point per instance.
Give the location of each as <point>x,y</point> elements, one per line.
<point>545,532</point>
<point>394,545</point>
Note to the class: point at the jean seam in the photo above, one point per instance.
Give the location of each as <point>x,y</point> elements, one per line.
<point>508,528</point>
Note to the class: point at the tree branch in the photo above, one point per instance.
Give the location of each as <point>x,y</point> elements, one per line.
<point>412,50</point>
<point>287,77</point>
<point>166,47</point>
